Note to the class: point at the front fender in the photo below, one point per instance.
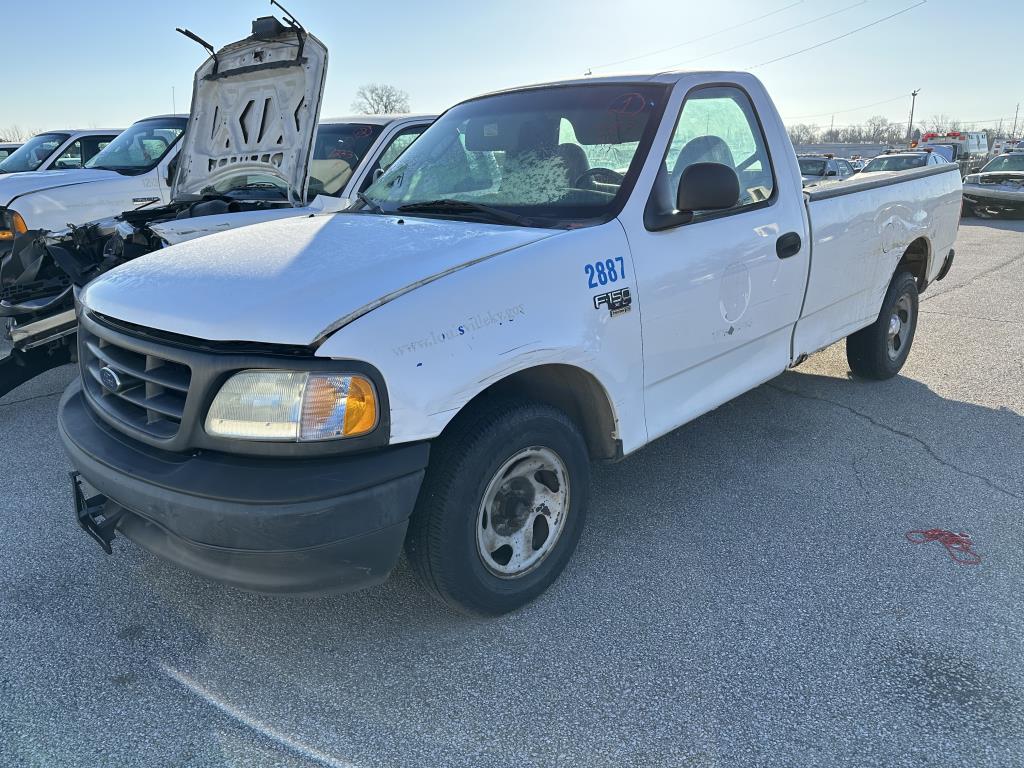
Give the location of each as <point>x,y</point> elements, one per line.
<point>77,204</point>
<point>442,344</point>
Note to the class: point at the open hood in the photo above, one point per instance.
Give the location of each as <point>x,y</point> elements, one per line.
<point>255,106</point>
<point>293,281</point>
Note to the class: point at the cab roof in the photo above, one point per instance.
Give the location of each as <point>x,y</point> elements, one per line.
<point>374,119</point>
<point>670,77</point>
<point>82,131</point>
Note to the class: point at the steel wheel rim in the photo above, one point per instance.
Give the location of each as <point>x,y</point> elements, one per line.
<point>522,513</point>
<point>898,331</point>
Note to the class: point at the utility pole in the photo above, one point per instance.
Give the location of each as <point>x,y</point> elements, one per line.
<point>831,128</point>
<point>1014,135</point>
<point>910,124</point>
<point>174,102</point>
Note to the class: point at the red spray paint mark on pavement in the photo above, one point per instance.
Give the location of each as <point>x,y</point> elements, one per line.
<point>958,545</point>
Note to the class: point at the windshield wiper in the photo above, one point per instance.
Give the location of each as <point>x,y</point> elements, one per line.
<point>370,203</point>
<point>465,206</point>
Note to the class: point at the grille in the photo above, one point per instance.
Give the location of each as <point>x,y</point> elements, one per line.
<point>144,391</point>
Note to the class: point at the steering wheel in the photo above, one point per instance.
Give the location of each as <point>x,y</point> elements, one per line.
<point>610,176</point>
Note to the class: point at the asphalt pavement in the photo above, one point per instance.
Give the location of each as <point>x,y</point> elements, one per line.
<point>743,595</point>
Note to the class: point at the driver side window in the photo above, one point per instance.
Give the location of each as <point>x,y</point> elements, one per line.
<point>718,125</point>
<point>71,157</point>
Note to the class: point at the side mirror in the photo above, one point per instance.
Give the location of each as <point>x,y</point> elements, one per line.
<point>172,168</point>
<point>708,187</point>
<point>830,173</point>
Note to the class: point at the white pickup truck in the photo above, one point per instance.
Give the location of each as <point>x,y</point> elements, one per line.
<point>549,275</point>
<point>59,150</point>
<point>131,171</point>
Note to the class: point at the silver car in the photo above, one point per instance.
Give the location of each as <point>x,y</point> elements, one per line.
<point>998,189</point>
<point>817,168</point>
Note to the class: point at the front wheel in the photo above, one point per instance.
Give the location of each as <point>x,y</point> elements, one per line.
<point>880,350</point>
<point>501,508</point>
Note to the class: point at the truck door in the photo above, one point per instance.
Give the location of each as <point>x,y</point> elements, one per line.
<point>719,296</point>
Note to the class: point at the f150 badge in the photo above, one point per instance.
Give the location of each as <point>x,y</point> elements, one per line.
<point>618,302</point>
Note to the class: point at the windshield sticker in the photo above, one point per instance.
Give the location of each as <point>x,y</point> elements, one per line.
<point>628,104</point>
<point>491,130</point>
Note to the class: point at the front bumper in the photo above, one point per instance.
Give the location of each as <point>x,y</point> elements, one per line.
<point>995,196</point>
<point>285,525</point>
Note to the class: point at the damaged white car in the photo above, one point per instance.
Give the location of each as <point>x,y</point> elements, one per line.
<point>253,152</point>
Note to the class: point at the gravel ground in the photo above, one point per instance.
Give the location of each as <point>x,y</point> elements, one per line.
<point>743,596</point>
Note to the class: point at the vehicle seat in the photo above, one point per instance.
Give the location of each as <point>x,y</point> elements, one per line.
<point>535,168</point>
<point>703,149</point>
<point>575,161</point>
<point>332,173</point>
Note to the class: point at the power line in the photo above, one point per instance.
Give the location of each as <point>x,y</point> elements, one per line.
<point>840,37</point>
<point>698,39</point>
<point>766,37</point>
<point>851,109</point>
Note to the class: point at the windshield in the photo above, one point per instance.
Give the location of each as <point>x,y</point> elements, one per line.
<point>556,156</point>
<point>140,147</point>
<point>952,151</point>
<point>897,163</point>
<point>1005,163</point>
<point>338,151</point>
<point>33,153</point>
<point>811,167</point>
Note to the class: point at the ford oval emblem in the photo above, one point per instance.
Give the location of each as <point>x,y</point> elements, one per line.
<point>109,379</point>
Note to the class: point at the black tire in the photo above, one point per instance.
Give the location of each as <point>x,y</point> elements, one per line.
<point>442,542</point>
<point>868,351</point>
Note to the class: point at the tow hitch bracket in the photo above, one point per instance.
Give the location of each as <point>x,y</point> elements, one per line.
<point>92,514</point>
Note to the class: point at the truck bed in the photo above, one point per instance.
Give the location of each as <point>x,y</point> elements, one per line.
<point>859,231</point>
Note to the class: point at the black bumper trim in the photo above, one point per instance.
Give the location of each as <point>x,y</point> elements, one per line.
<point>307,525</point>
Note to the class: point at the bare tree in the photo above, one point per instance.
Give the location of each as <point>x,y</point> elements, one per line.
<point>940,123</point>
<point>16,133</point>
<point>380,99</point>
<point>801,133</point>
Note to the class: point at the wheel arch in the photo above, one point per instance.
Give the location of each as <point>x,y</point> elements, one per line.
<point>570,388</point>
<point>916,260</point>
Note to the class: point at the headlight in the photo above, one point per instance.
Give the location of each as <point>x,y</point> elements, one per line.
<point>12,226</point>
<point>972,178</point>
<point>293,406</point>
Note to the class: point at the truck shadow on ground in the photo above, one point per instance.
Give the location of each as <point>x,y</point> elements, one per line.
<point>1007,224</point>
<point>783,462</point>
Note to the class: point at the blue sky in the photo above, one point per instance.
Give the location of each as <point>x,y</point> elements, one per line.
<point>83,66</point>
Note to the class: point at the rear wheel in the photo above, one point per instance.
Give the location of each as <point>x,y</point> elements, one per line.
<point>502,506</point>
<point>880,350</point>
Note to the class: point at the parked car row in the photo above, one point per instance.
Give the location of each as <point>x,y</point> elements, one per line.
<point>548,275</point>
<point>815,169</point>
<point>997,189</point>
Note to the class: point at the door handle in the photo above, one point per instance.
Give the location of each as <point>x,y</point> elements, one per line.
<point>788,245</point>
